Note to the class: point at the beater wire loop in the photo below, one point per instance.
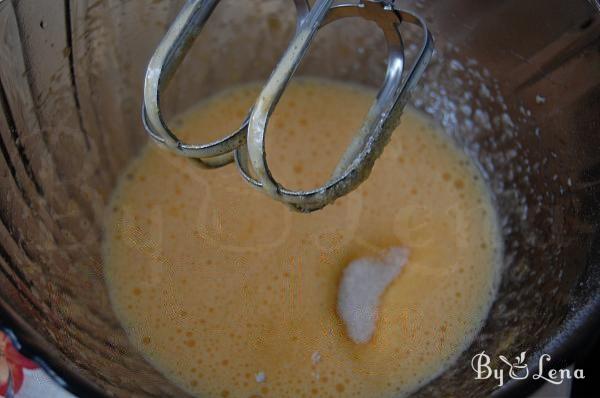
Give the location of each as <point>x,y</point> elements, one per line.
<point>246,145</point>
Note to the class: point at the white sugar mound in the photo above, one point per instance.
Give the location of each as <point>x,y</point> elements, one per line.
<point>363,282</point>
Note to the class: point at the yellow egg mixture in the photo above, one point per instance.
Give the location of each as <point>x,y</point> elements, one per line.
<point>231,294</point>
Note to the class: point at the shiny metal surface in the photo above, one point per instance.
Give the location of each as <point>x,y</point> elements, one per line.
<point>248,141</point>
<point>167,57</point>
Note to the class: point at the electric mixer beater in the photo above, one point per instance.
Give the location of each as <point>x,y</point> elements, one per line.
<point>246,145</point>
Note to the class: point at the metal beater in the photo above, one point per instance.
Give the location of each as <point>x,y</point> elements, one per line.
<point>246,145</point>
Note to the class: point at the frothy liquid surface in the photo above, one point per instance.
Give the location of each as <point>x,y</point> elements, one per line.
<point>230,294</point>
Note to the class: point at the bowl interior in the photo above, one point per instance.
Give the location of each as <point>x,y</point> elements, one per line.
<point>522,102</point>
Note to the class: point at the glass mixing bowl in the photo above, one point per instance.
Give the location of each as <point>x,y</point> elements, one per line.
<point>516,83</point>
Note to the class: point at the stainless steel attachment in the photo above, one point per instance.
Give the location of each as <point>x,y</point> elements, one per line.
<point>247,144</point>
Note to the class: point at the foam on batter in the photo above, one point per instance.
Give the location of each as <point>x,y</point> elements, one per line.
<point>230,294</point>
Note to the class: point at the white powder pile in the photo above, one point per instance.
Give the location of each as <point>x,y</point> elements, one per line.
<point>363,282</point>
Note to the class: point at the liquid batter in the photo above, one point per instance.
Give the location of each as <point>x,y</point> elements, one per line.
<point>231,294</point>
